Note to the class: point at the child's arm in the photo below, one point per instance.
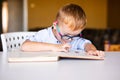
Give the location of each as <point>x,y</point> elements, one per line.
<point>91,50</point>
<point>40,46</point>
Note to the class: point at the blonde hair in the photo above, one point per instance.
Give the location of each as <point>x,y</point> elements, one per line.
<point>73,16</point>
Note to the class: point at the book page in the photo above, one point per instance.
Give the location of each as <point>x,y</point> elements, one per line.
<point>78,54</point>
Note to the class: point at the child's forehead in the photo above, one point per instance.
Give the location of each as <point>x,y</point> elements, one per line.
<point>71,32</point>
<point>70,28</point>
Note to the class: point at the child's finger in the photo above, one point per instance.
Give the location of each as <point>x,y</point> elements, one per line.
<point>101,53</point>
<point>66,47</point>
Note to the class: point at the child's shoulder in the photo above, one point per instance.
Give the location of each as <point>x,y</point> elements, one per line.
<point>45,30</point>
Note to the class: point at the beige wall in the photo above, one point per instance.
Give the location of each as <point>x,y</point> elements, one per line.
<point>42,12</point>
<point>96,11</point>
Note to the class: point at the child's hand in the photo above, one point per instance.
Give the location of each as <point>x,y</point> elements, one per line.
<point>91,50</point>
<point>61,47</point>
<point>96,53</point>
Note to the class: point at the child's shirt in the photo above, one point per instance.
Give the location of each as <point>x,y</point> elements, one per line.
<point>46,35</point>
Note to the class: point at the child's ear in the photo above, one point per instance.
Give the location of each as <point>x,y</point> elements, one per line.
<point>55,23</point>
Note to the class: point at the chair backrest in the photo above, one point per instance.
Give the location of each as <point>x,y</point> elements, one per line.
<point>12,41</point>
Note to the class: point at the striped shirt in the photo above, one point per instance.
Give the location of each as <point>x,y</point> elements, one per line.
<point>47,36</point>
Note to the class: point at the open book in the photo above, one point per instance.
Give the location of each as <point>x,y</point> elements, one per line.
<point>47,56</point>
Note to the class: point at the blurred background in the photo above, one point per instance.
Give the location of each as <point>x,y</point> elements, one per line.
<point>103,24</point>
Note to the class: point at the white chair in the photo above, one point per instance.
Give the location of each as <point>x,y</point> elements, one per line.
<point>12,41</point>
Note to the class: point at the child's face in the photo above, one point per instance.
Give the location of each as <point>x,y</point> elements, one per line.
<point>67,33</point>
<point>66,30</point>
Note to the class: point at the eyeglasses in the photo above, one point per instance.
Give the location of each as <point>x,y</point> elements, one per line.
<point>67,37</point>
